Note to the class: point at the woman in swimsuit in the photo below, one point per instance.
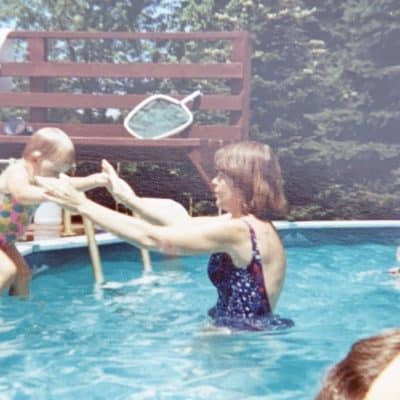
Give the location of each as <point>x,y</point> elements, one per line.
<point>247,264</point>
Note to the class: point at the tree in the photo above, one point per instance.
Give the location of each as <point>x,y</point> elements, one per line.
<point>104,15</point>
<point>324,94</point>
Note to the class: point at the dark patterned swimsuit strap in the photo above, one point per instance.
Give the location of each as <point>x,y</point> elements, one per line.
<point>255,263</point>
<point>255,252</point>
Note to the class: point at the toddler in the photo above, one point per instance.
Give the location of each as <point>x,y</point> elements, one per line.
<point>48,152</point>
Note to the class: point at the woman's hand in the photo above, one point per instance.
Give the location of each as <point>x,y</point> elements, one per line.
<point>119,189</point>
<point>61,192</point>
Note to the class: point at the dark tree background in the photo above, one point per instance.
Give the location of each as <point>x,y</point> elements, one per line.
<point>325,89</point>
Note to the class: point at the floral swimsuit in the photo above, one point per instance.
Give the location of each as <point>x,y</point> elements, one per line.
<point>14,219</point>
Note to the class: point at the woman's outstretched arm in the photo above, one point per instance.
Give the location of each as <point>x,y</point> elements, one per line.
<point>189,237</point>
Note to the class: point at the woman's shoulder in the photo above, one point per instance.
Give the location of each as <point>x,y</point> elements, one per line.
<point>226,227</point>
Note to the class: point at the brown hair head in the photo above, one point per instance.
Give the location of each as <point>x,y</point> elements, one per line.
<point>52,144</point>
<point>352,377</point>
<point>255,170</point>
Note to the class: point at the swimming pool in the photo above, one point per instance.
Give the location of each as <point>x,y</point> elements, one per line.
<point>146,336</point>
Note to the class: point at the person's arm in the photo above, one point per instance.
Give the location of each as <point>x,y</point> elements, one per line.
<point>220,234</point>
<point>84,183</point>
<point>19,185</point>
<point>185,238</point>
<point>157,211</point>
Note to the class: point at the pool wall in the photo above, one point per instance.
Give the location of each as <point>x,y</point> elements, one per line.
<point>293,233</point>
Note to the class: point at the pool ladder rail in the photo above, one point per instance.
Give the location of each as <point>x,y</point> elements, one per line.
<point>69,230</point>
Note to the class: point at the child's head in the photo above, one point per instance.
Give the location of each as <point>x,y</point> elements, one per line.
<point>369,371</point>
<point>50,151</point>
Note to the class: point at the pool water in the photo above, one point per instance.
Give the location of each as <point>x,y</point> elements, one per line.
<point>146,336</point>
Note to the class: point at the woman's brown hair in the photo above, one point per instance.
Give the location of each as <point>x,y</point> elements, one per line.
<point>352,377</point>
<point>255,170</point>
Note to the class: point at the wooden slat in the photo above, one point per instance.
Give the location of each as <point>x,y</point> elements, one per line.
<point>108,132</point>
<point>197,142</point>
<point>216,132</point>
<point>127,101</point>
<point>116,141</point>
<point>223,35</point>
<point>134,70</point>
<point>182,143</point>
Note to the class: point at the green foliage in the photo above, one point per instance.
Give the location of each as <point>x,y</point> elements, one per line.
<point>325,95</point>
<point>93,15</point>
<point>105,15</point>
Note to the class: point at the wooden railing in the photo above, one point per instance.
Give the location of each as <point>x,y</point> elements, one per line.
<point>38,96</point>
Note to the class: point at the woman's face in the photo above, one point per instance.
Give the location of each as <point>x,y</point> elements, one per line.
<point>224,191</point>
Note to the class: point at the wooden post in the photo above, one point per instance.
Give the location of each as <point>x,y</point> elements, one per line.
<point>241,51</point>
<point>37,55</point>
<point>93,251</point>
<point>66,223</point>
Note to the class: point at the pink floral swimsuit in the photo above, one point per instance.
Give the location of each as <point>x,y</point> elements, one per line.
<point>14,219</point>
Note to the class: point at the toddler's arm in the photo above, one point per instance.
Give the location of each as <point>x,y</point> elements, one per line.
<point>15,180</point>
<point>88,182</point>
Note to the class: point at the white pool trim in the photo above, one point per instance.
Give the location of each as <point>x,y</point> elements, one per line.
<point>69,242</point>
<point>394,223</point>
<point>107,238</point>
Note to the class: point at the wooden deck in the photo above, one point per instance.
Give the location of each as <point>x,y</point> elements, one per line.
<point>41,96</point>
